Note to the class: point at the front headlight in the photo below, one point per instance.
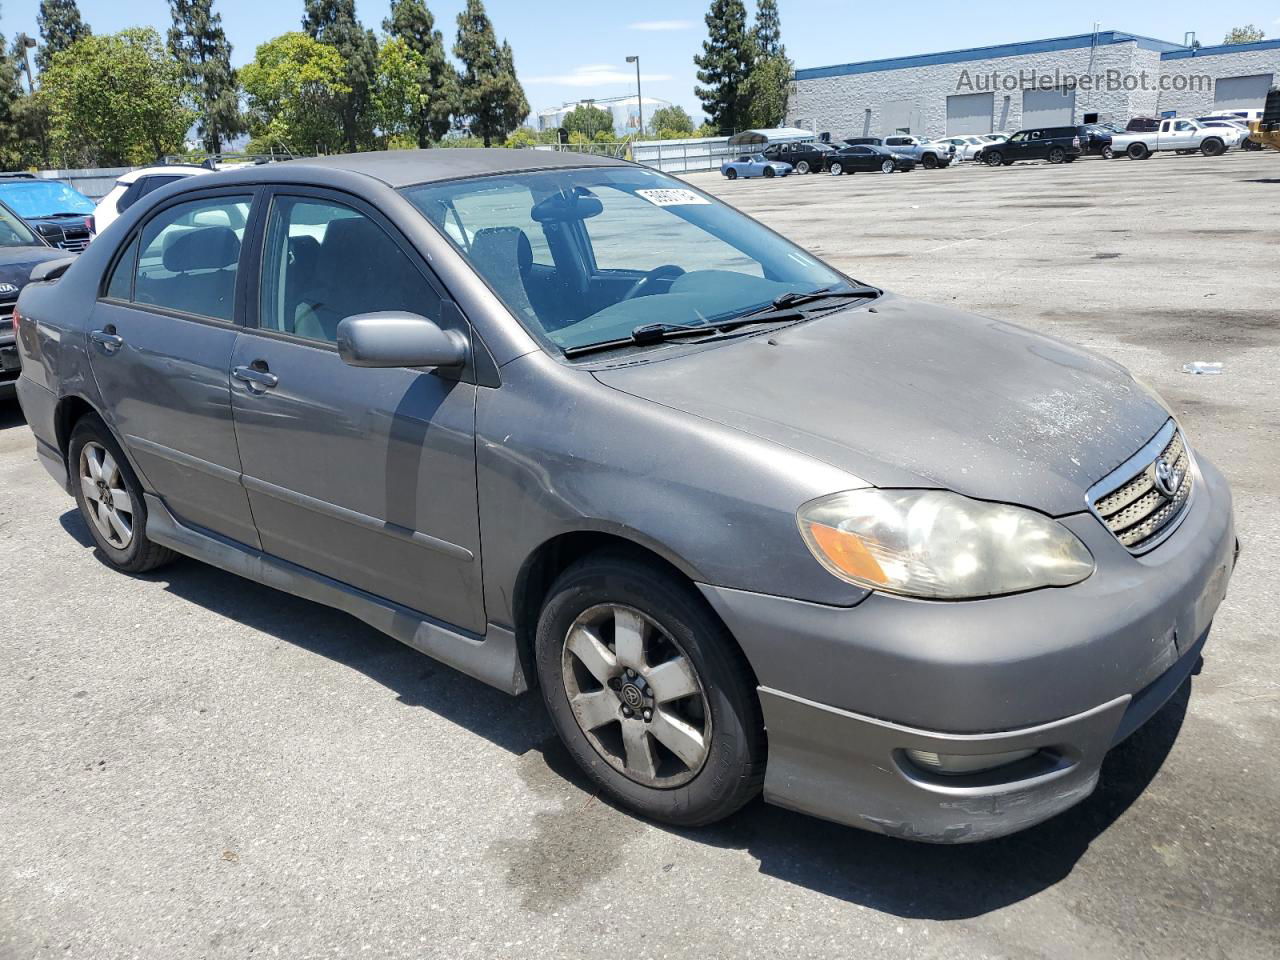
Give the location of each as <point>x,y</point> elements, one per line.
<point>939,545</point>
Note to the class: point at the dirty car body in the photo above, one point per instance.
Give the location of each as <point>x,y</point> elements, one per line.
<point>941,564</point>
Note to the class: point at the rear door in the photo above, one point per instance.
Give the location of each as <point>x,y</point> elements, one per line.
<point>364,475</point>
<point>161,340</point>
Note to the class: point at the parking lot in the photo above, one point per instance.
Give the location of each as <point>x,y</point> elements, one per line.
<point>192,765</point>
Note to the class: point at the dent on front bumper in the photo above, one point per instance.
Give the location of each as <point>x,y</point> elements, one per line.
<point>1068,673</point>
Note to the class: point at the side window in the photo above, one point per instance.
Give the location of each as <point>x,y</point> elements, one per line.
<point>130,196</point>
<point>120,286</point>
<point>324,262</point>
<point>189,255</point>
<point>1182,125</point>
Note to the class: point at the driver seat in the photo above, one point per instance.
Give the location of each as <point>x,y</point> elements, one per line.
<point>504,257</point>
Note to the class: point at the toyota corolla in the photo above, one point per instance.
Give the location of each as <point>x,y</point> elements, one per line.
<point>564,422</point>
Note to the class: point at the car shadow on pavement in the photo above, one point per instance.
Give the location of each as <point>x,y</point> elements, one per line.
<point>11,415</point>
<point>899,877</point>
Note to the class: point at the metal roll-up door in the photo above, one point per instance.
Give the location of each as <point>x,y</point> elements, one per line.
<point>1048,108</point>
<point>969,113</point>
<point>1241,93</point>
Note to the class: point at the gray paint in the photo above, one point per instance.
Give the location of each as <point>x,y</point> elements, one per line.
<point>1048,108</point>
<point>1242,93</point>
<point>417,499</point>
<point>969,113</point>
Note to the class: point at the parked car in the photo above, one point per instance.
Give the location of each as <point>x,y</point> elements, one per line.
<point>803,157</point>
<point>927,153</point>
<point>1174,133</point>
<point>59,213</point>
<point>1096,140</point>
<point>136,184</point>
<point>1142,125</point>
<point>1237,129</point>
<point>868,158</point>
<point>967,147</point>
<point>21,250</point>
<point>863,142</point>
<point>1248,116</point>
<point>624,443</point>
<point>755,165</point>
<point>1055,144</point>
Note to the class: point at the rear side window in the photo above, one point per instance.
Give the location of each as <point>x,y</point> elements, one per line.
<point>120,287</point>
<point>324,262</point>
<point>188,257</point>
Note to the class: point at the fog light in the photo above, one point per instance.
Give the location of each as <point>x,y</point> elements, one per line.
<point>954,764</point>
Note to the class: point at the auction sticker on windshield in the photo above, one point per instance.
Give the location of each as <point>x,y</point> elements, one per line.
<point>671,198</point>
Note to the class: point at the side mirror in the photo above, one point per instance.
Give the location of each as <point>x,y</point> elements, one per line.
<point>50,269</point>
<point>395,339</point>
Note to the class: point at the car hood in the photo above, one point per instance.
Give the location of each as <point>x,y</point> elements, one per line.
<point>16,262</point>
<point>919,395</point>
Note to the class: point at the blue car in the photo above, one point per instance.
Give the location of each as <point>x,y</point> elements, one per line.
<point>755,165</point>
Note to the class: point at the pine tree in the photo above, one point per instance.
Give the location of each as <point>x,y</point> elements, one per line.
<point>490,97</point>
<point>413,23</point>
<point>768,30</point>
<point>334,23</point>
<point>200,46</point>
<point>728,54</point>
<point>60,26</point>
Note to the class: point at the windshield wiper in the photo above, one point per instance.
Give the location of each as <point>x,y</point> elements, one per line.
<point>796,299</point>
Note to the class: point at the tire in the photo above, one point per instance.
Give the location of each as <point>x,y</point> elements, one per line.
<point>103,484</point>
<point>597,596</point>
<point>769,173</point>
<point>994,159</point>
<point>1138,151</point>
<point>802,166</point>
<point>1057,155</point>
<point>836,168</point>
<point>1107,153</point>
<point>887,166</point>
<point>731,174</point>
<point>1213,147</point>
<point>929,161</point>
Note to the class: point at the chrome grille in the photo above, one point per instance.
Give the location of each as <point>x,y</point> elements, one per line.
<point>1134,505</point>
<point>74,244</point>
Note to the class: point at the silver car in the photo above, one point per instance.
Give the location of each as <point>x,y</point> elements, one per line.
<point>565,422</point>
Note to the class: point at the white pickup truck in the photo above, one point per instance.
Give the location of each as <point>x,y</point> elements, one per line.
<point>1174,133</point>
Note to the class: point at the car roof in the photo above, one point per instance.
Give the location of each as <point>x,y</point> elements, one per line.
<point>402,168</point>
<point>162,170</point>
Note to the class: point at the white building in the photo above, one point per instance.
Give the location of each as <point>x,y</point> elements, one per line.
<point>1107,76</point>
<point>626,113</point>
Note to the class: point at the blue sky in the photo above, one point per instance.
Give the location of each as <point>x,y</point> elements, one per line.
<point>568,49</point>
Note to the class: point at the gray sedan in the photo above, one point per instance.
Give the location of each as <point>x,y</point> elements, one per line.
<point>565,422</point>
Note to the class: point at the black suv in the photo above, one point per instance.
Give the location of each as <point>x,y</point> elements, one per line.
<point>804,157</point>
<point>1055,144</point>
<point>21,249</point>
<point>59,213</point>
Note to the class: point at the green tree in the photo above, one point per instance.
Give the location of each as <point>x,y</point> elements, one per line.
<point>767,31</point>
<point>199,44</point>
<point>523,137</point>
<point>413,23</point>
<point>1246,34</point>
<point>60,26</point>
<point>728,54</point>
<point>115,99</point>
<point>398,94</point>
<point>334,23</point>
<point>588,119</point>
<point>765,92</point>
<point>672,122</point>
<point>491,97</point>
<point>295,88</point>
<point>10,98</point>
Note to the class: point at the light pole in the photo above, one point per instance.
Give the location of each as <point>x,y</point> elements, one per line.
<point>27,45</point>
<point>639,98</point>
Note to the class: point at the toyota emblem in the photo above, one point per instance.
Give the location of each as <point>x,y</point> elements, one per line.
<point>1167,479</point>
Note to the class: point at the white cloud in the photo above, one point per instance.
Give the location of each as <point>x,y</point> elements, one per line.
<point>597,75</point>
<point>662,25</point>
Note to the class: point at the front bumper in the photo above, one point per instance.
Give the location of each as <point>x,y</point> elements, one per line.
<point>1067,672</point>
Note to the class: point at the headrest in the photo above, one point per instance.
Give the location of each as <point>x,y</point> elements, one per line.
<point>502,247</point>
<point>205,248</point>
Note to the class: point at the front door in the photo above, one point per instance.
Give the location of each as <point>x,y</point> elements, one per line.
<point>364,475</point>
<point>160,350</point>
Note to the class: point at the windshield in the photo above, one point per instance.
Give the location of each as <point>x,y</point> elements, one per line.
<point>43,198</point>
<point>15,233</point>
<point>586,256</point>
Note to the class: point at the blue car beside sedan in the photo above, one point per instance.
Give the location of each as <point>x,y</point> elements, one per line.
<point>755,165</point>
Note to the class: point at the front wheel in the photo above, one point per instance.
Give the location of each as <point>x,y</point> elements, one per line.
<point>836,168</point>
<point>1107,153</point>
<point>802,166</point>
<point>1213,147</point>
<point>648,691</point>
<point>110,499</point>
<point>886,166</point>
<point>769,173</point>
<point>995,158</point>
<point>929,161</point>
<point>731,174</point>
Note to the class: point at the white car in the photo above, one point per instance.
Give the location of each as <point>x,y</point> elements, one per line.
<point>1228,124</point>
<point>136,184</point>
<point>967,147</point>
<point>1244,116</point>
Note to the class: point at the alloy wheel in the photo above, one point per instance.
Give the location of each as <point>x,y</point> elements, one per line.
<point>636,696</point>
<point>107,501</point>
<point>886,167</point>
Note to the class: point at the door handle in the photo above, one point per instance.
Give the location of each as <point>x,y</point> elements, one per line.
<point>258,380</point>
<point>107,338</point>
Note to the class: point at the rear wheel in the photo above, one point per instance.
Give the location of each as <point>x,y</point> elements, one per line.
<point>648,691</point>
<point>1138,151</point>
<point>802,166</point>
<point>1057,155</point>
<point>1213,147</point>
<point>110,499</point>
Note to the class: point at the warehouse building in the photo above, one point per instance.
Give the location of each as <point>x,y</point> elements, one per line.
<point>1107,76</point>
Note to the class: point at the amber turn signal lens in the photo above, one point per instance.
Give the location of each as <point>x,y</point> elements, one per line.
<point>847,551</point>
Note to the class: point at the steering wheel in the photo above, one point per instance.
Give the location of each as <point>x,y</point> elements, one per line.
<point>668,271</point>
